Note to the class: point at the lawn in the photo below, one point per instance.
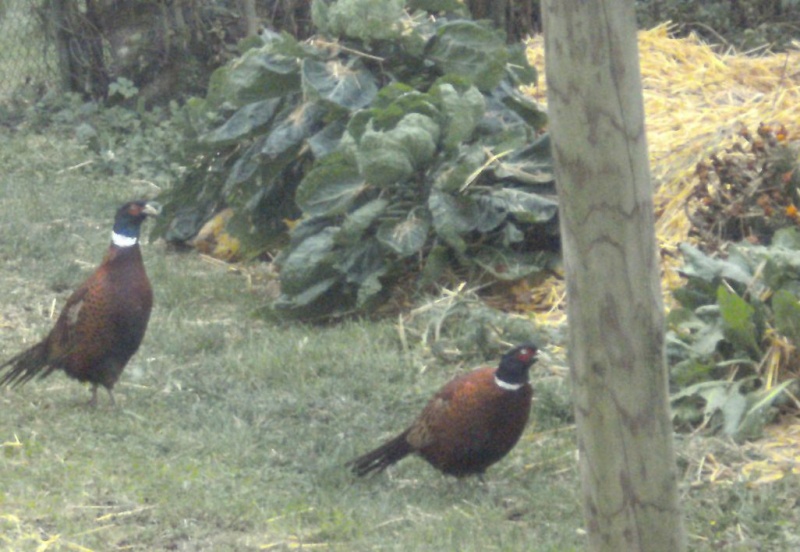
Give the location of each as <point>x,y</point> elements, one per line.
<point>231,431</point>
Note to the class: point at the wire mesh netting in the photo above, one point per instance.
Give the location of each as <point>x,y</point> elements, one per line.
<point>28,61</point>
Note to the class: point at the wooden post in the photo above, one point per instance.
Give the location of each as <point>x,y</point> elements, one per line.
<point>614,305</point>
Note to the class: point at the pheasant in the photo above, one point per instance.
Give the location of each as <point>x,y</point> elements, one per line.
<point>471,423</point>
<point>104,320</point>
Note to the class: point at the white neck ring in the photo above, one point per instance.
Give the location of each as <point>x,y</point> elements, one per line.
<point>507,386</point>
<point>122,241</point>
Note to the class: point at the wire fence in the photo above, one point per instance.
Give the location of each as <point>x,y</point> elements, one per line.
<point>28,61</point>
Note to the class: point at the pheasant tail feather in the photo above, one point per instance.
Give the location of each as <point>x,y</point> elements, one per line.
<point>382,457</point>
<point>26,365</point>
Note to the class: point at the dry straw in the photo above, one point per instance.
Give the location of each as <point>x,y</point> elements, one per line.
<point>696,100</point>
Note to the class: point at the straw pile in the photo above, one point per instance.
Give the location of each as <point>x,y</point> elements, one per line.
<point>696,101</point>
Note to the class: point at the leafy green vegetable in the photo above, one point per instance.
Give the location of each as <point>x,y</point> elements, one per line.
<point>737,318</point>
<point>395,137</point>
<point>364,20</point>
<point>739,409</point>
<point>733,311</point>
<point>349,87</point>
<point>787,314</point>
<point>472,51</point>
<point>245,121</point>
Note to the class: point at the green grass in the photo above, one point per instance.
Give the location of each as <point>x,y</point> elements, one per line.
<point>231,432</point>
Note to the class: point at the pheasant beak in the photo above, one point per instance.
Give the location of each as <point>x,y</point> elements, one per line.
<point>152,209</point>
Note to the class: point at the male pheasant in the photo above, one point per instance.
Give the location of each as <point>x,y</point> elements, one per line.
<point>470,424</point>
<point>104,320</point>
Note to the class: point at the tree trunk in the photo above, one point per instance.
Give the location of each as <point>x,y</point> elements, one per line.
<point>616,319</point>
<point>250,16</point>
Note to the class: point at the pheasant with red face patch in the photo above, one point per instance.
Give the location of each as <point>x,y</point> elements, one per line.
<point>470,424</point>
<point>104,320</point>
